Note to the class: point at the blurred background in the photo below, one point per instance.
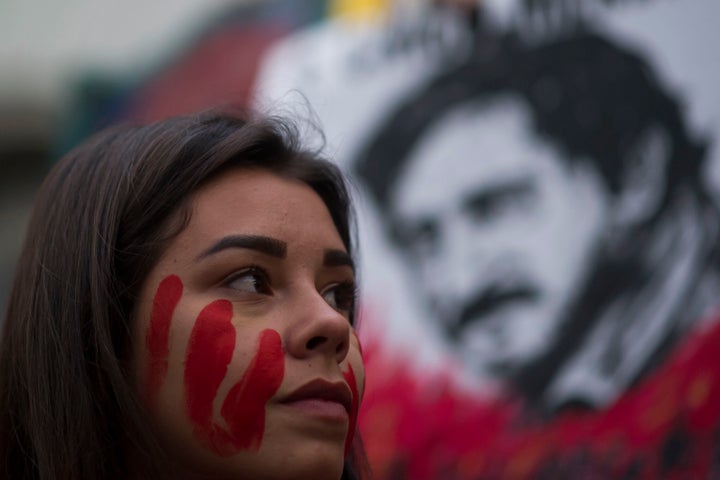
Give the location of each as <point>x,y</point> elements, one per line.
<point>537,185</point>
<point>68,69</point>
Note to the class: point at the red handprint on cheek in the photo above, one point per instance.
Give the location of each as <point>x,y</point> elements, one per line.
<point>356,397</point>
<point>244,407</point>
<point>166,299</point>
<point>352,382</point>
<point>210,351</point>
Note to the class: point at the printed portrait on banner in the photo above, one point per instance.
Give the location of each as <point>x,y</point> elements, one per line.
<point>544,230</point>
<point>542,256</point>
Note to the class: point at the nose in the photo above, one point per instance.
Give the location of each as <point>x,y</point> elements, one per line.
<point>459,262</point>
<point>317,329</point>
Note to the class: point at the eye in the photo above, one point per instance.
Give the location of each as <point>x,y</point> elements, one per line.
<point>411,233</point>
<point>417,239</point>
<point>341,296</point>
<point>250,280</point>
<point>500,201</point>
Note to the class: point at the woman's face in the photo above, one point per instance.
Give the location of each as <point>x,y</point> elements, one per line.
<point>243,347</point>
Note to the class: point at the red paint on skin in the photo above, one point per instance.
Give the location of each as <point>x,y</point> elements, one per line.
<point>360,349</point>
<point>352,382</point>
<point>244,407</point>
<point>210,351</point>
<point>165,301</point>
<point>359,343</point>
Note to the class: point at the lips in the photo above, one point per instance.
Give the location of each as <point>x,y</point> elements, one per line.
<point>323,390</point>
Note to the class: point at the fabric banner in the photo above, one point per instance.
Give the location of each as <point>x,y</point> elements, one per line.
<point>538,229</point>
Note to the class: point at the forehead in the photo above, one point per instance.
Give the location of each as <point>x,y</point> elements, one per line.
<point>476,146</point>
<point>256,201</point>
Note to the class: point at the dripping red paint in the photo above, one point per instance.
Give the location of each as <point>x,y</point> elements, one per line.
<point>210,351</point>
<point>352,382</point>
<point>166,299</point>
<point>244,407</point>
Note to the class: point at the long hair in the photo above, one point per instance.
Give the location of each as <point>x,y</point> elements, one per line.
<point>68,408</point>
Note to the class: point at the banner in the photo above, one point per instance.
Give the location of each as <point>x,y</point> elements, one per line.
<point>539,231</point>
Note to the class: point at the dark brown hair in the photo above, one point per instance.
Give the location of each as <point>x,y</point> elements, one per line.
<point>101,220</point>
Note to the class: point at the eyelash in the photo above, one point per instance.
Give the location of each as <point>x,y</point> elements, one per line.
<point>346,291</point>
<point>262,279</point>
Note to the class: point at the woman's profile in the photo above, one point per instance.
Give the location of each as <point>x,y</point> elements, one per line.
<point>183,308</point>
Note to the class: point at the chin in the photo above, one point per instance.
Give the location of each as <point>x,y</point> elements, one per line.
<point>309,460</point>
<point>319,462</point>
<point>316,472</point>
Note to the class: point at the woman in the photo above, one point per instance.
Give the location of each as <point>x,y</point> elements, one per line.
<point>183,308</point>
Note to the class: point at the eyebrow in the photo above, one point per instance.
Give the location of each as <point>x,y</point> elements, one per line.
<point>338,258</point>
<point>268,245</point>
<point>512,188</point>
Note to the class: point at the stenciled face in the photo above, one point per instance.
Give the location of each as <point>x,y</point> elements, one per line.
<point>243,347</point>
<point>501,230</point>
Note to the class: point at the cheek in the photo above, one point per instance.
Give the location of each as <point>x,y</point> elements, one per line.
<point>244,406</point>
<point>352,381</point>
<point>355,377</point>
<point>203,365</point>
<point>165,301</point>
<point>355,359</point>
<point>210,351</point>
